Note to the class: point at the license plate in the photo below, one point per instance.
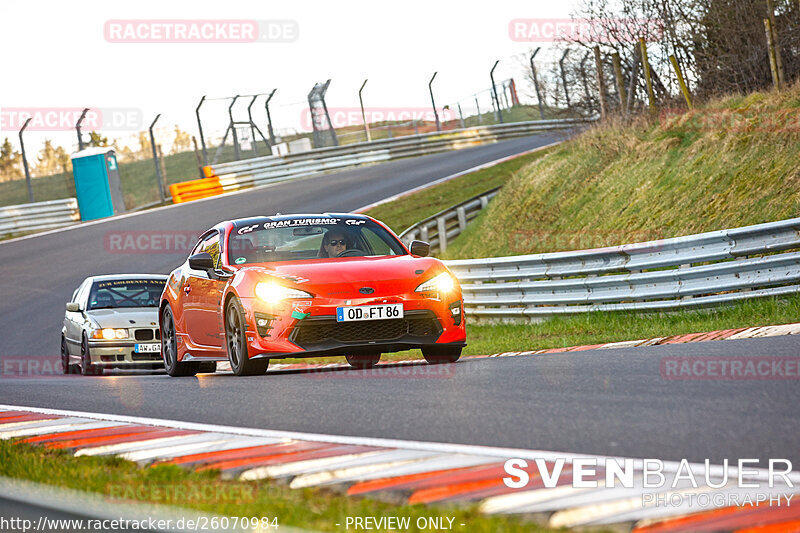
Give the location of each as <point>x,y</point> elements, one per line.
<point>369,312</point>
<point>147,348</point>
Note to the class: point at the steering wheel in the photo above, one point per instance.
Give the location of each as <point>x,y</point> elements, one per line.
<point>350,252</point>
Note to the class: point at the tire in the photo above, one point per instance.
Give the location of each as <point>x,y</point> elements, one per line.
<point>236,342</point>
<point>169,348</point>
<point>362,361</point>
<point>66,367</point>
<point>441,354</point>
<point>87,368</point>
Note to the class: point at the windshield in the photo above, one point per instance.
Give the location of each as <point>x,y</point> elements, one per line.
<point>125,293</point>
<point>310,238</point>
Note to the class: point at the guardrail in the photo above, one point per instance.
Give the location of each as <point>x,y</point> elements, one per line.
<point>678,273</point>
<point>438,229</point>
<point>262,170</point>
<point>38,216</point>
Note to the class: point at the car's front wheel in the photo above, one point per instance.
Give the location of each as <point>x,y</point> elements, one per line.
<point>441,354</point>
<point>169,348</point>
<point>87,368</point>
<point>363,361</point>
<point>236,341</point>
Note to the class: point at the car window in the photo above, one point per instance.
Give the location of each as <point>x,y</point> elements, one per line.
<point>211,247</point>
<point>305,238</point>
<point>111,294</point>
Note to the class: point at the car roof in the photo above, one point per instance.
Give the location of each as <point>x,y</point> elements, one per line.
<point>107,277</point>
<point>239,222</point>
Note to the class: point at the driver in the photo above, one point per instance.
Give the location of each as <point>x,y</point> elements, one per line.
<point>334,243</point>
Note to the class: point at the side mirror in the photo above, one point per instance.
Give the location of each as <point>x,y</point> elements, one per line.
<point>202,261</point>
<point>73,307</point>
<point>420,248</point>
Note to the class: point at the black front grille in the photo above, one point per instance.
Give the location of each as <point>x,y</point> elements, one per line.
<point>315,331</point>
<point>143,334</point>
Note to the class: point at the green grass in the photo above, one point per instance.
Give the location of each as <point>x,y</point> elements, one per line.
<point>415,207</point>
<point>315,509</point>
<point>729,164</point>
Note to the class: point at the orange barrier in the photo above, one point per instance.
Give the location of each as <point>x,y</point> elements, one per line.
<point>186,191</point>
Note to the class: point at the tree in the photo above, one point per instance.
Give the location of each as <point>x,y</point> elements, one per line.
<point>95,139</point>
<point>145,148</point>
<point>182,141</point>
<point>10,162</point>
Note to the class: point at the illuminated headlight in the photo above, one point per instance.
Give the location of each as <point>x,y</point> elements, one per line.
<point>273,293</point>
<point>110,334</point>
<point>443,283</point>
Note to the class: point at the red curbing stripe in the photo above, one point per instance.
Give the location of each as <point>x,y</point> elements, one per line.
<point>724,519</point>
<point>706,336</point>
<point>284,458</point>
<point>783,527</point>
<point>265,452</point>
<point>219,455</point>
<point>732,332</point>
<point>97,432</point>
<point>119,439</point>
<point>585,347</point>
<point>556,350</point>
<point>428,479</point>
<point>679,339</point>
<point>26,417</point>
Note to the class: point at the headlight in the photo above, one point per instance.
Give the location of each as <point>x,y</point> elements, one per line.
<point>443,283</point>
<point>109,334</point>
<point>273,293</point>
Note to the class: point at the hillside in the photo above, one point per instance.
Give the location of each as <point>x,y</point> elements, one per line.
<point>733,162</point>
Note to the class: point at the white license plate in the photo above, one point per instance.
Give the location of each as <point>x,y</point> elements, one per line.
<point>369,312</point>
<point>147,348</point>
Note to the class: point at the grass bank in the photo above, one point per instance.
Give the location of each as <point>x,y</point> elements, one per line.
<point>730,163</point>
<point>315,509</point>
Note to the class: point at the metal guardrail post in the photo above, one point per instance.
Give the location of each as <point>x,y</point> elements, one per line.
<point>441,227</point>
<point>159,177</point>
<point>462,218</point>
<point>25,161</point>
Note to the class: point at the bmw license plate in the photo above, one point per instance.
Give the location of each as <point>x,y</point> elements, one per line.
<point>147,348</point>
<point>369,312</point>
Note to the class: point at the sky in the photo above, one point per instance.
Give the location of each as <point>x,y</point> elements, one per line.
<point>61,55</point>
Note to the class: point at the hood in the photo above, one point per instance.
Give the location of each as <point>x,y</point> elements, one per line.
<point>125,317</point>
<point>352,273</point>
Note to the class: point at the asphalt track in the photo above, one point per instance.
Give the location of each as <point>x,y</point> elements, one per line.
<point>607,402</point>
<point>599,402</point>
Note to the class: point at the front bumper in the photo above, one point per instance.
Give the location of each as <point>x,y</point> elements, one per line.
<point>312,330</point>
<point>122,355</point>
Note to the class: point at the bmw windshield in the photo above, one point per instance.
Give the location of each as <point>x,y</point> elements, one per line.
<point>298,239</point>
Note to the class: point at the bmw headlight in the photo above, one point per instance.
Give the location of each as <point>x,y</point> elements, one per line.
<point>109,334</point>
<point>273,293</point>
<point>443,283</point>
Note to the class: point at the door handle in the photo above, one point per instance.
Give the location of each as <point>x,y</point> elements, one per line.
<point>187,289</point>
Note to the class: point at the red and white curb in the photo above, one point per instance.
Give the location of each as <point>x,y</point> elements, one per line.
<point>719,335</point>
<point>421,472</point>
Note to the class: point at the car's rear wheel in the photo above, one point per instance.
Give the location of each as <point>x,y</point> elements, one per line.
<point>236,341</point>
<point>441,354</point>
<point>169,348</point>
<point>362,360</point>
<point>66,366</point>
<point>87,368</point>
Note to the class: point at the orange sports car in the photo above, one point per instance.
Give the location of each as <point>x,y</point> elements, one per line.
<point>285,286</point>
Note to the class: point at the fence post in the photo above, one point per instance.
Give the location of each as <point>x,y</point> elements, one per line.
<point>564,77</point>
<point>620,83</point>
<point>198,157</point>
<point>461,116</point>
<point>200,128</point>
<point>773,63</point>
<point>651,98</point>
<point>494,91</point>
<point>684,89</point>
<point>159,177</point>
<point>433,103</point>
<point>634,73</point>
<point>601,82</point>
<point>364,115</point>
<point>25,161</point>
<point>163,167</point>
